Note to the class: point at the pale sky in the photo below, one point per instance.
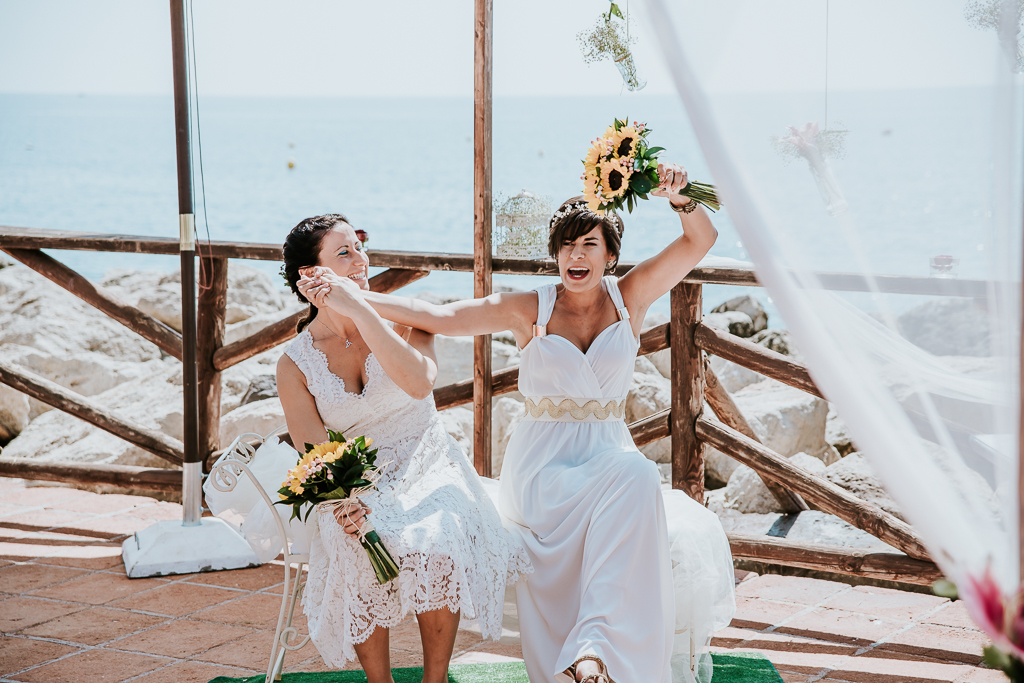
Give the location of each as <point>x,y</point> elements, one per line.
<point>415,48</point>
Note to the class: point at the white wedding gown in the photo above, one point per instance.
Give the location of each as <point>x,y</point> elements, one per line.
<point>430,510</point>
<point>613,577</point>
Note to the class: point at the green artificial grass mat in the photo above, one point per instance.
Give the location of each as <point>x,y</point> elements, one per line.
<point>740,667</point>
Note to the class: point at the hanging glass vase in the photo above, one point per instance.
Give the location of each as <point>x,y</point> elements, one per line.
<point>521,226</point>
<point>625,62</point>
<point>816,147</point>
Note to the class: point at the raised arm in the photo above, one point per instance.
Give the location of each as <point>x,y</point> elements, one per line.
<point>653,278</point>
<point>410,364</point>
<point>516,311</point>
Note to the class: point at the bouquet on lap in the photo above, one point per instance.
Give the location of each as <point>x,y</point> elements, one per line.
<point>338,471</point>
<point>621,168</point>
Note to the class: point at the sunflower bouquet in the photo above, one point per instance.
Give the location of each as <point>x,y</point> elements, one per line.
<point>621,167</point>
<point>332,474</point>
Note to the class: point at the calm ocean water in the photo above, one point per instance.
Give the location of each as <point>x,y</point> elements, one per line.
<point>403,170</point>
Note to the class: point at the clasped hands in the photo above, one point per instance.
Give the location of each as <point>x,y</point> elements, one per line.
<point>322,286</point>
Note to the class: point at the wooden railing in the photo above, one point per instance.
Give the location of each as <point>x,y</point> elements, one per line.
<point>692,381</point>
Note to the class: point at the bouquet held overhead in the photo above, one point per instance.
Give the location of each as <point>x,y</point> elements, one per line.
<point>621,167</point>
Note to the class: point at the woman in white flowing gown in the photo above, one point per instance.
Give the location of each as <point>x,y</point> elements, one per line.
<point>618,593</point>
<point>357,375</point>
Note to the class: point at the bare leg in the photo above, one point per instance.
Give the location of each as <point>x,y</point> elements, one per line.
<point>438,629</point>
<point>375,656</point>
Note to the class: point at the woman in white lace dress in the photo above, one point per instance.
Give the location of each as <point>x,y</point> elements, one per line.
<point>357,375</point>
<point>629,581</point>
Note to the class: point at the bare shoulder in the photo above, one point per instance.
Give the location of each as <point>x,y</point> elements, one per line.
<point>288,373</point>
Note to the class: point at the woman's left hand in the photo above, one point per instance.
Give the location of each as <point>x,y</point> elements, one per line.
<point>673,179</point>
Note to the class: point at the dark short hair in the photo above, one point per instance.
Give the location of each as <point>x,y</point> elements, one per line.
<point>302,249</point>
<point>568,225</point>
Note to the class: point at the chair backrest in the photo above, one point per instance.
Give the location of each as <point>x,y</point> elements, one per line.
<point>234,462</point>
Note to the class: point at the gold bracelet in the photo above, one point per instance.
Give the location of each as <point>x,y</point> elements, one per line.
<point>688,207</point>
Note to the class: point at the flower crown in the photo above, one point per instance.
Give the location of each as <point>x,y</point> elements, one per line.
<point>582,207</point>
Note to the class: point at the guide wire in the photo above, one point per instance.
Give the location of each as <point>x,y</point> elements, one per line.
<point>204,280</point>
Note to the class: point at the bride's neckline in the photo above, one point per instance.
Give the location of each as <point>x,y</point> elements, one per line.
<point>327,368</point>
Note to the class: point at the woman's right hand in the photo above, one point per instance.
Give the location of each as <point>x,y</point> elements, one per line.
<point>323,287</point>
<point>351,517</point>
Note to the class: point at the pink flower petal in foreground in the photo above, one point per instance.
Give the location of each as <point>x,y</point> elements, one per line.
<point>988,608</point>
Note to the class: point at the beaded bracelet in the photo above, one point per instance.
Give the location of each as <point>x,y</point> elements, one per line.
<point>688,207</point>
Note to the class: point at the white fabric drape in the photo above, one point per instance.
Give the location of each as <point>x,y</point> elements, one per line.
<point>925,164</point>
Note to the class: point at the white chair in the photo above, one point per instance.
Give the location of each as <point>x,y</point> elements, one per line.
<point>224,476</point>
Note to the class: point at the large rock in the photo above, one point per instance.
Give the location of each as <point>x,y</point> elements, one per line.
<point>748,305</point>
<point>14,409</point>
<point>747,492</point>
<point>779,341</point>
<point>644,366</point>
<point>261,387</point>
<point>947,327</point>
<point>785,419</point>
<point>855,475</point>
<point>649,394</point>
<point>837,435</point>
<point>455,358</point>
<point>250,292</point>
<point>154,401</point>
<point>733,376</point>
<point>733,322</point>
<point>506,414</point>
<point>260,417</point>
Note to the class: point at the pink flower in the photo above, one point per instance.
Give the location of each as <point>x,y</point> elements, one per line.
<point>1001,617</point>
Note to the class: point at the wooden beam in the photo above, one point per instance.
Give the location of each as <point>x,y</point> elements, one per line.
<point>730,414</point>
<point>57,396</point>
<point>756,357</point>
<point>213,299</point>
<point>651,428</point>
<point>817,491</point>
<point>281,331</point>
<point>146,326</point>
<point>34,238</point>
<point>483,40</point>
<point>687,378</point>
<point>654,339</point>
<point>849,561</point>
<point>122,476</point>
<point>37,238</point>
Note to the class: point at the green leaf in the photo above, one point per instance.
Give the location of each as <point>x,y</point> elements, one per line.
<point>309,447</point>
<point>997,659</point>
<point>640,183</point>
<point>653,151</point>
<point>616,11</point>
<point>945,588</point>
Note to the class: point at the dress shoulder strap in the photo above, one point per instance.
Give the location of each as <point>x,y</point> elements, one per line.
<point>545,305</point>
<point>304,355</point>
<point>611,284</point>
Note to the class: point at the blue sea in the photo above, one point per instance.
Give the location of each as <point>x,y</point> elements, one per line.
<point>402,169</point>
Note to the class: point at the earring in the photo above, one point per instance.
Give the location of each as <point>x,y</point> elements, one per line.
<point>609,265</point>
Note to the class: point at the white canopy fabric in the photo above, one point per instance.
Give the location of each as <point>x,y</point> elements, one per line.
<point>903,173</point>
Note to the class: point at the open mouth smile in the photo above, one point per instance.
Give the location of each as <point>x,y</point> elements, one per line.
<point>361,275</point>
<point>577,273</point>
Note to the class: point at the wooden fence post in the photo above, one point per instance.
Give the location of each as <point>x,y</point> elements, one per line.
<point>213,296</point>
<point>482,231</point>
<point>687,391</point>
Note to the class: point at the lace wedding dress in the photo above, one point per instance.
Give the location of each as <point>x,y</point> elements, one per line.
<point>430,510</point>
<point>623,571</point>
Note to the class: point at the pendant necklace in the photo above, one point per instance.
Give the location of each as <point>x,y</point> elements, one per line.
<point>348,342</point>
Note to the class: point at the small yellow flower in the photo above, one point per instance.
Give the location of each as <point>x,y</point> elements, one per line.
<point>328,452</point>
<point>368,441</point>
<point>296,488</point>
<point>614,179</point>
<point>625,141</point>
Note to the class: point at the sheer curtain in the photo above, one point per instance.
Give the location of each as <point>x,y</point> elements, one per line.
<point>881,141</point>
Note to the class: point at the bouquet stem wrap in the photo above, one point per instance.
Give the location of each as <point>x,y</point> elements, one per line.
<point>384,566</point>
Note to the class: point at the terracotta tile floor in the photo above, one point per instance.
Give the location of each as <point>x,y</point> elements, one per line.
<point>68,612</point>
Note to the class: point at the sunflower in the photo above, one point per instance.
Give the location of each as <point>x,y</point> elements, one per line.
<point>328,452</point>
<point>614,179</point>
<point>625,140</point>
<point>593,156</point>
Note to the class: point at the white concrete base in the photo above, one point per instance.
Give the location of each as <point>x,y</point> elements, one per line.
<point>173,548</point>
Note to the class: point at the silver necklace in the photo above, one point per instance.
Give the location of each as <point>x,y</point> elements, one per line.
<point>348,342</point>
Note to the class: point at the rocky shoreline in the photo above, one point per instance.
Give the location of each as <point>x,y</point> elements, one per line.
<point>53,334</point>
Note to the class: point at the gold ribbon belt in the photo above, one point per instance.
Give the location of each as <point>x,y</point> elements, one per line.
<point>559,409</point>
